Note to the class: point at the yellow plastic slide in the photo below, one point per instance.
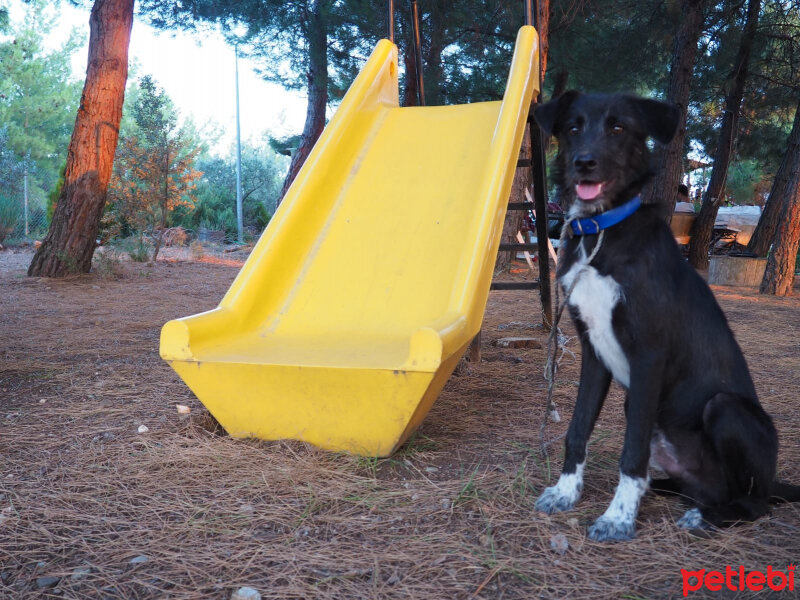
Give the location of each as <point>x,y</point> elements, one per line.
<point>372,277</point>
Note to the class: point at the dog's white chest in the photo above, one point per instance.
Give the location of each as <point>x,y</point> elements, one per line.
<point>595,297</point>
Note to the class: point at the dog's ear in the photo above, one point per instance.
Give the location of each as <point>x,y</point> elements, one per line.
<point>660,119</point>
<point>550,114</point>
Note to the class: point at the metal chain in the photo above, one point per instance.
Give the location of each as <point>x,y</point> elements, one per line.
<point>551,366</point>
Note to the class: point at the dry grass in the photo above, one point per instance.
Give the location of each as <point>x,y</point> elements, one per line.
<point>450,516</point>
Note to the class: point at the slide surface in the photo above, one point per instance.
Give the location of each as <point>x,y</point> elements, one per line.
<point>371,279</point>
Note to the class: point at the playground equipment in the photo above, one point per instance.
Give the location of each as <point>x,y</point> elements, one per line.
<point>372,278</point>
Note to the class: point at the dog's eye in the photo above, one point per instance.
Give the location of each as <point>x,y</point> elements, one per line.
<point>617,129</point>
<point>574,130</point>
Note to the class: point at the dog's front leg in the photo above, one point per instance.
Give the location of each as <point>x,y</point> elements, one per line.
<point>595,379</point>
<point>618,523</point>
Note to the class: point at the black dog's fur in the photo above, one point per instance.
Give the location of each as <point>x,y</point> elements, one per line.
<point>644,314</point>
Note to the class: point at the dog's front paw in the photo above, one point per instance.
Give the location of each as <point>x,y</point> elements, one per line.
<point>553,500</point>
<point>692,519</point>
<point>611,530</point>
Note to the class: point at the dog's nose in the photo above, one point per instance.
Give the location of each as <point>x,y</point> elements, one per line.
<point>585,162</point>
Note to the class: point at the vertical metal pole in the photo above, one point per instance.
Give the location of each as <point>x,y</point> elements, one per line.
<point>390,21</point>
<point>25,195</point>
<point>529,13</point>
<point>239,216</point>
<point>417,53</point>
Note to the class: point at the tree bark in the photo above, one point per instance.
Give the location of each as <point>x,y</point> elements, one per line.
<point>515,218</point>
<point>434,78</point>
<point>164,204</point>
<point>544,33</point>
<point>69,244</point>
<point>410,87</point>
<point>762,236</point>
<point>764,233</point>
<point>779,274</point>
<point>704,224</point>
<point>316,33</point>
<point>664,187</point>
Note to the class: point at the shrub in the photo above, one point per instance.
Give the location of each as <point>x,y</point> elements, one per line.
<point>197,250</point>
<point>107,264</point>
<point>262,217</point>
<point>137,248</point>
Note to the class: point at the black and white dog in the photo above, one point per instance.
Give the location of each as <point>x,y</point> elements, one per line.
<point>647,319</point>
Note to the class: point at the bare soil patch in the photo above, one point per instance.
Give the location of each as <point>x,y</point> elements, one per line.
<point>83,494</point>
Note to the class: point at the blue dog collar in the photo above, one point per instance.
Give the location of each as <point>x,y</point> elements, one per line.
<point>592,225</point>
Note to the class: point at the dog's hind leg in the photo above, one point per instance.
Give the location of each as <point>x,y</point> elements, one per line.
<point>618,523</point>
<point>736,477</point>
<point>595,380</point>
<point>665,487</point>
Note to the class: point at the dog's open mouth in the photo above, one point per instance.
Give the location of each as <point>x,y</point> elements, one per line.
<point>588,191</point>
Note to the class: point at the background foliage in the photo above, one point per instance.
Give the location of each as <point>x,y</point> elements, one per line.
<point>598,45</point>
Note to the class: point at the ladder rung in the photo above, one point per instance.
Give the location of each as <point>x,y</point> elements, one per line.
<point>514,285</point>
<point>523,162</point>
<point>518,247</point>
<point>521,206</point>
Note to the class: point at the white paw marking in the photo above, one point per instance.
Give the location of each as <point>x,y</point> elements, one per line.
<point>691,519</point>
<point>619,520</point>
<point>564,494</point>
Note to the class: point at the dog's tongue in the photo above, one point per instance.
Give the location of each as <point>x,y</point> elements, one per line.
<point>588,191</point>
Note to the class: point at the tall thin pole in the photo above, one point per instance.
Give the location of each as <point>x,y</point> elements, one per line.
<point>390,21</point>
<point>417,53</point>
<point>239,218</point>
<point>25,195</point>
<point>25,182</point>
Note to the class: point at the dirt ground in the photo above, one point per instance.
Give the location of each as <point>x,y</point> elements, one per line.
<point>91,508</point>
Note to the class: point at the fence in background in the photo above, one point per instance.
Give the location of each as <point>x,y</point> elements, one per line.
<point>17,226</point>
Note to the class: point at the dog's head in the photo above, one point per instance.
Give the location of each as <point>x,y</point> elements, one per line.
<point>603,158</point>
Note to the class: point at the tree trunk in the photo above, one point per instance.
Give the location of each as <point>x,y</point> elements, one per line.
<point>762,236</point>
<point>317,38</point>
<point>768,223</point>
<point>522,177</point>
<point>544,33</point>
<point>704,224</point>
<point>515,218</point>
<point>164,204</point>
<point>410,87</point>
<point>70,242</point>
<point>664,187</point>
<point>434,79</point>
<point>779,275</point>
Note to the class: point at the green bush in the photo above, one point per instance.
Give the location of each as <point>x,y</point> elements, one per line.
<point>261,216</point>
<point>137,248</point>
<point>107,264</point>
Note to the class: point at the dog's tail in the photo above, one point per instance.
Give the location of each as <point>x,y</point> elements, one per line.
<point>784,492</point>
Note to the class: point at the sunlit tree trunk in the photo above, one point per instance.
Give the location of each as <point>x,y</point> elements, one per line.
<point>544,32</point>
<point>669,158</point>
<point>764,233</point>
<point>69,244</point>
<point>779,274</point>
<point>704,224</point>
